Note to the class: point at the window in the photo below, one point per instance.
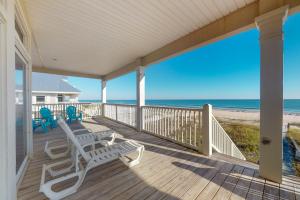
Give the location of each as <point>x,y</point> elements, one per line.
<point>40,99</point>
<point>60,98</point>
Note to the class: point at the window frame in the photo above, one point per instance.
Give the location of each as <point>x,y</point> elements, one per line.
<point>40,96</point>
<point>60,96</point>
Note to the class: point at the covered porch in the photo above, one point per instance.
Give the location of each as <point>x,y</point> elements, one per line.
<point>167,171</point>
<point>107,39</point>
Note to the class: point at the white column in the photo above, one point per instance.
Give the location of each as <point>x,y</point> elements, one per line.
<point>7,103</point>
<point>140,96</point>
<point>271,93</point>
<point>207,130</point>
<point>103,96</point>
<point>103,91</point>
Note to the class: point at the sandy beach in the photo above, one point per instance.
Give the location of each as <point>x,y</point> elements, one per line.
<point>249,117</point>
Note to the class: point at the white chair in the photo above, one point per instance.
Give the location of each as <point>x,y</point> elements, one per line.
<point>104,138</point>
<point>92,159</point>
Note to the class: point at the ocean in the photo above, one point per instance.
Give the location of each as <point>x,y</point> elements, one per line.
<point>290,105</point>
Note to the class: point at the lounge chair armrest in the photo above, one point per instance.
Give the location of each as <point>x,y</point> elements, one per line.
<point>92,144</point>
<point>101,136</point>
<point>83,129</point>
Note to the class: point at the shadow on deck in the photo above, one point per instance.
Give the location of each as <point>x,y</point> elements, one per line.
<point>167,171</point>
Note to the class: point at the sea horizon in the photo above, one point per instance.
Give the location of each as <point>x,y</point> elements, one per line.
<point>291,106</point>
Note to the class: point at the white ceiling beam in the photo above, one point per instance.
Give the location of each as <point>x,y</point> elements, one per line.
<point>64,72</point>
<point>235,22</point>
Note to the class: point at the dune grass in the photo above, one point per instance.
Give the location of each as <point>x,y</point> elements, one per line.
<point>294,133</point>
<point>246,137</point>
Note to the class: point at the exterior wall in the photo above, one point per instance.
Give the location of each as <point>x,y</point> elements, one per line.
<point>73,98</point>
<point>10,46</point>
<point>51,98</point>
<point>7,101</point>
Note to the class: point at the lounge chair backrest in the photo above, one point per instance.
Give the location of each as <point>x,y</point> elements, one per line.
<point>45,113</point>
<point>71,111</point>
<point>74,140</point>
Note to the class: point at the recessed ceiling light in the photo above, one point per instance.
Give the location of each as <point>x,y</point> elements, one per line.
<point>54,59</point>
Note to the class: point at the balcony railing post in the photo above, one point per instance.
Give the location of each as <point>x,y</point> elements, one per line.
<point>207,130</point>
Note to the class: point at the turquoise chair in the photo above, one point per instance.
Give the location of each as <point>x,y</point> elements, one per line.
<point>36,123</point>
<point>47,119</point>
<point>71,114</point>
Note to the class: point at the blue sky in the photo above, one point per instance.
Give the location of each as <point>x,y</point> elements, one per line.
<point>228,69</point>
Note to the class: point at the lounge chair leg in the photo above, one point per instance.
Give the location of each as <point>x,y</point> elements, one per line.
<point>46,188</point>
<point>49,150</point>
<point>64,170</point>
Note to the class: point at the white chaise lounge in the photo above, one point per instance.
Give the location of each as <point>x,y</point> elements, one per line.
<point>91,159</point>
<point>104,138</point>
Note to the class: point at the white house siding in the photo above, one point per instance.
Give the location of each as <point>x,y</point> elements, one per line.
<point>52,98</point>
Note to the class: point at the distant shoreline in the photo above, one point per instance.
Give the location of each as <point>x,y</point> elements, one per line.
<point>253,110</point>
<point>292,106</point>
<point>250,117</point>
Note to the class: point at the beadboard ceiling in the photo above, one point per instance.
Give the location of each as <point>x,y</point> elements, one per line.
<point>101,36</point>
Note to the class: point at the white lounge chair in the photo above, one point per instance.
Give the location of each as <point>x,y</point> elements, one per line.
<point>92,159</point>
<point>105,138</point>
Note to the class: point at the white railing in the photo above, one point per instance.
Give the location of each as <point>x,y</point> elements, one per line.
<point>180,125</point>
<point>88,110</point>
<point>125,114</point>
<point>222,143</point>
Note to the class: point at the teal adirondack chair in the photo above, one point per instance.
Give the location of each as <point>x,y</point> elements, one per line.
<point>36,123</point>
<point>71,114</point>
<point>47,119</point>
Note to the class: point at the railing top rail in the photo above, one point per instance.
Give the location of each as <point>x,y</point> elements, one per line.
<point>46,104</point>
<point>118,104</point>
<point>178,108</point>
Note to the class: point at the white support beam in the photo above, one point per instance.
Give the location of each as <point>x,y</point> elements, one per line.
<point>7,103</point>
<point>140,95</point>
<point>103,96</point>
<point>271,93</point>
<point>103,91</point>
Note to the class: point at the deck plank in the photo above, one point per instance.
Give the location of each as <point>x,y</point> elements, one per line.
<point>212,188</point>
<point>228,186</point>
<point>256,188</point>
<point>271,190</point>
<point>167,171</point>
<point>242,187</point>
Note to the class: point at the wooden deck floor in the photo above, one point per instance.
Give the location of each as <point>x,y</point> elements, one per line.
<point>167,171</point>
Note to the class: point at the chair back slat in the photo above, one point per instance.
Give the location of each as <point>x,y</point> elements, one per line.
<point>74,140</point>
<point>45,113</point>
<point>71,111</point>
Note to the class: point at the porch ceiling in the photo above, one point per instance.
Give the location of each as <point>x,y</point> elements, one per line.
<point>104,38</point>
<point>99,37</point>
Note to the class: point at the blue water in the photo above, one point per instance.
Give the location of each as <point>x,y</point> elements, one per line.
<point>290,105</point>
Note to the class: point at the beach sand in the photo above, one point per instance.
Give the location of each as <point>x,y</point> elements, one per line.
<point>249,117</point>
